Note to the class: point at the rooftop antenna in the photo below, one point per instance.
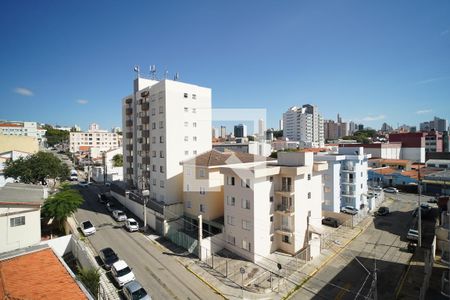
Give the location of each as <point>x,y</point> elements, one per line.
<point>166,74</point>
<point>136,69</point>
<point>175,78</point>
<point>153,72</point>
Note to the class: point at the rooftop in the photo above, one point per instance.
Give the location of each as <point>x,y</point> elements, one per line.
<point>217,158</point>
<point>37,275</point>
<point>20,193</point>
<point>391,161</point>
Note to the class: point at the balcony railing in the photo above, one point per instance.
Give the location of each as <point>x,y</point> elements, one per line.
<point>285,228</point>
<point>286,188</point>
<point>285,208</point>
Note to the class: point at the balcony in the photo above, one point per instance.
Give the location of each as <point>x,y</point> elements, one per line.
<point>129,147</point>
<point>129,135</point>
<point>146,133</point>
<point>129,171</point>
<point>145,120</point>
<point>129,123</point>
<point>128,111</point>
<point>129,101</point>
<point>146,160</point>
<point>144,94</point>
<point>284,209</point>
<point>129,158</point>
<point>285,190</point>
<point>284,230</point>
<point>145,106</point>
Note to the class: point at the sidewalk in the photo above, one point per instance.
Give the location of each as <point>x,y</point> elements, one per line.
<point>266,284</point>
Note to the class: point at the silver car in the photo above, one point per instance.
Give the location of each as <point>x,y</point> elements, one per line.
<point>119,215</point>
<point>133,290</point>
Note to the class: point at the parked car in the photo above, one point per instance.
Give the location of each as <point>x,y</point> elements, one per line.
<point>122,273</point>
<point>87,228</point>
<point>84,184</point>
<point>349,210</point>
<point>108,257</point>
<point>133,290</point>
<point>376,188</point>
<point>391,190</point>
<point>425,209</point>
<point>119,215</point>
<point>383,211</point>
<point>110,206</point>
<point>412,235</point>
<point>330,222</point>
<point>102,198</point>
<point>131,225</point>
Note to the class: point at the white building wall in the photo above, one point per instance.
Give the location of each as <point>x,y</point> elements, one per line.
<point>12,238</point>
<point>332,187</point>
<point>413,154</point>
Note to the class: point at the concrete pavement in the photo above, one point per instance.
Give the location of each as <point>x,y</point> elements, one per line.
<point>160,273</point>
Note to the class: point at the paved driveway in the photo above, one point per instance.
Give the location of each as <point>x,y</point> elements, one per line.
<point>161,274</point>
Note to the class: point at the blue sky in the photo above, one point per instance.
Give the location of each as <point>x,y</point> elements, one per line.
<point>371,61</point>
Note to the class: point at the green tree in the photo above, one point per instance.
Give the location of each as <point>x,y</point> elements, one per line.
<point>62,204</point>
<point>278,133</point>
<point>90,279</point>
<point>118,160</point>
<point>55,136</point>
<point>37,168</point>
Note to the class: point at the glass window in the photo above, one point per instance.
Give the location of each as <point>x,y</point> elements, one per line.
<point>246,225</point>
<point>245,204</point>
<point>18,221</point>
<point>230,220</point>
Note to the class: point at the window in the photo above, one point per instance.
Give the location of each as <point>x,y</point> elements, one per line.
<point>361,174</point>
<point>161,109</point>
<point>231,239</point>
<point>194,138</point>
<point>153,125</point>
<point>309,176</point>
<point>286,239</point>
<point>271,219</point>
<point>246,245</point>
<point>185,95</point>
<point>194,96</point>
<point>161,139</point>
<point>194,152</point>
<point>231,200</point>
<point>230,180</point>
<point>153,139</point>
<point>271,178</point>
<point>18,221</point>
<point>153,111</point>
<point>194,110</point>
<point>161,169</point>
<point>271,199</point>
<point>202,172</point>
<point>186,124</point>
<point>161,154</point>
<point>161,183</point>
<point>154,181</point>
<point>309,195</point>
<point>230,220</point>
<point>154,168</point>
<point>202,191</point>
<point>153,153</point>
<point>188,204</point>
<point>246,224</point>
<point>203,207</point>
<point>186,109</point>
<point>186,138</point>
<point>362,185</point>
<point>187,188</point>
<point>194,124</point>
<point>161,124</point>
<point>271,238</point>
<point>245,204</point>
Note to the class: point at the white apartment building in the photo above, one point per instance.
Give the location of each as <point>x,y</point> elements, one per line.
<point>24,129</point>
<point>304,124</point>
<point>273,206</point>
<point>345,181</point>
<point>106,160</point>
<point>164,123</point>
<point>94,138</point>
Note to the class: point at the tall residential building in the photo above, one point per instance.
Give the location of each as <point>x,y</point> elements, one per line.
<point>31,129</point>
<point>436,124</point>
<point>335,130</point>
<point>94,138</point>
<point>304,124</point>
<point>434,141</point>
<point>214,133</point>
<point>165,122</point>
<point>223,132</point>
<point>352,127</point>
<point>240,130</point>
<point>345,181</point>
<point>261,127</point>
<point>280,124</point>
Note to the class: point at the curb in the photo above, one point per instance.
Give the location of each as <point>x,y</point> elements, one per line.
<point>204,281</point>
<point>309,276</point>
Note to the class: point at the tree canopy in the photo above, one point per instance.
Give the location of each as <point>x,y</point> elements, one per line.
<point>62,204</point>
<point>37,168</point>
<point>90,278</point>
<point>118,160</point>
<point>55,136</point>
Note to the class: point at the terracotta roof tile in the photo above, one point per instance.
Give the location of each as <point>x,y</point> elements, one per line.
<point>37,275</point>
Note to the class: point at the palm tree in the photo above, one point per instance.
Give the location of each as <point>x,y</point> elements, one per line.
<point>90,279</point>
<point>62,205</point>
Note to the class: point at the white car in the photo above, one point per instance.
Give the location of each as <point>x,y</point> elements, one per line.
<point>119,215</point>
<point>84,184</point>
<point>391,190</point>
<point>122,273</point>
<point>376,188</point>
<point>131,225</point>
<point>349,210</point>
<point>413,235</point>
<point>87,228</point>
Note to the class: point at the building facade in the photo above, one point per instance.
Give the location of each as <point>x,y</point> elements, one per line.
<point>304,124</point>
<point>101,139</point>
<point>413,145</point>
<point>240,130</point>
<point>164,123</point>
<point>437,124</point>
<point>31,129</point>
<point>434,141</point>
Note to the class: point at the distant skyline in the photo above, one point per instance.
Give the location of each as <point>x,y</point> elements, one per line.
<point>372,62</point>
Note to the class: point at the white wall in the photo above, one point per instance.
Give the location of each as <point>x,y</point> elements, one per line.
<point>413,154</point>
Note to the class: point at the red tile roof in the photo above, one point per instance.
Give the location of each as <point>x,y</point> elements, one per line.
<point>37,275</point>
<point>10,125</point>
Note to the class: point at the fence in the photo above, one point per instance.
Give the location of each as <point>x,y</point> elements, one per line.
<point>183,240</point>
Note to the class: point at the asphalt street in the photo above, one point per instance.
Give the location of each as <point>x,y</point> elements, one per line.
<point>160,273</point>
<point>350,274</point>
